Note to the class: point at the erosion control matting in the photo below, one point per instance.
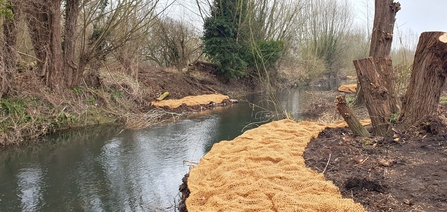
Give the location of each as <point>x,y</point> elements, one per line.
<point>263,170</point>
<point>191,101</point>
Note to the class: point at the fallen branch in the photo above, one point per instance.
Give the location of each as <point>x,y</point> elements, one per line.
<point>348,115</point>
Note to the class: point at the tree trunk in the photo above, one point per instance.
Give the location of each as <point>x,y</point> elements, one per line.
<point>44,21</point>
<point>56,76</point>
<point>359,98</point>
<point>72,75</point>
<point>37,22</point>
<point>348,115</point>
<point>384,67</point>
<point>377,97</point>
<point>382,35</point>
<point>427,78</point>
<point>9,57</point>
<point>5,78</point>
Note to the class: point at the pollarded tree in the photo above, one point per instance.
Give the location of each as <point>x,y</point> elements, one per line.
<point>71,72</point>
<point>375,73</point>
<point>114,24</point>
<point>44,22</point>
<point>427,79</point>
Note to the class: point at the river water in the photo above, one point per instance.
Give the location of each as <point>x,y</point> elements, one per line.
<point>110,169</point>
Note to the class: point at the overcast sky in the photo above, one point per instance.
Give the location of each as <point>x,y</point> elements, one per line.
<point>426,15</point>
<point>415,15</point>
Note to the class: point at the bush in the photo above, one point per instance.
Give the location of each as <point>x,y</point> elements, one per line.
<point>221,46</point>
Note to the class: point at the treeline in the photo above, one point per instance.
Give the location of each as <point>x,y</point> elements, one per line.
<point>66,42</point>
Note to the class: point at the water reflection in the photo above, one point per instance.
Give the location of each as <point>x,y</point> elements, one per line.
<point>30,186</point>
<point>107,169</point>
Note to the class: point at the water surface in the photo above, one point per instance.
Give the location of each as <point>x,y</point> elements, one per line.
<point>110,169</point>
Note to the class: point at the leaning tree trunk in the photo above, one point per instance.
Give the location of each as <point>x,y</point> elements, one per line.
<point>350,118</point>
<point>377,97</point>
<point>382,37</point>
<point>427,78</point>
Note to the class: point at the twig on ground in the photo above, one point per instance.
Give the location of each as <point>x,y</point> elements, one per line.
<point>191,162</point>
<point>364,160</point>
<point>324,170</point>
<point>197,145</point>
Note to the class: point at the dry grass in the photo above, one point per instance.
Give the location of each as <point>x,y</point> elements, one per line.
<point>37,111</point>
<point>321,108</point>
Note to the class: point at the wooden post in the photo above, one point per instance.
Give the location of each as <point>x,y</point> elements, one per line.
<point>348,115</point>
<point>377,97</point>
<point>427,78</point>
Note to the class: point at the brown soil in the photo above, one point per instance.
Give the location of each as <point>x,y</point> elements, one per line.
<point>116,97</point>
<point>404,173</point>
<point>192,83</point>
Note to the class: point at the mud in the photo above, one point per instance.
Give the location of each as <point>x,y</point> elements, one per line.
<point>407,172</point>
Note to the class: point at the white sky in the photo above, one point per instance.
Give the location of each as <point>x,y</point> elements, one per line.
<point>417,15</point>
<point>421,16</point>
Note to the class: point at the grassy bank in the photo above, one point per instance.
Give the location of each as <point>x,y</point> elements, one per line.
<point>31,113</point>
<point>34,110</point>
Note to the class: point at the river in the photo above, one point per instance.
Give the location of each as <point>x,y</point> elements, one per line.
<point>107,168</point>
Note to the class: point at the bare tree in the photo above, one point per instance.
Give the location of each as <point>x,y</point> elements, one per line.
<point>381,40</point>
<point>108,27</point>
<point>172,43</point>
<point>375,73</point>
<point>44,21</point>
<point>324,32</point>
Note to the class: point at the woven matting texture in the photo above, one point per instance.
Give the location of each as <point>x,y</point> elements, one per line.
<point>191,101</point>
<point>351,88</point>
<point>263,170</point>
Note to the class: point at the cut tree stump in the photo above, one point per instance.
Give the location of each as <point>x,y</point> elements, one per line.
<point>377,97</point>
<point>348,115</point>
<point>384,67</point>
<point>382,37</point>
<point>382,34</point>
<point>427,78</point>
